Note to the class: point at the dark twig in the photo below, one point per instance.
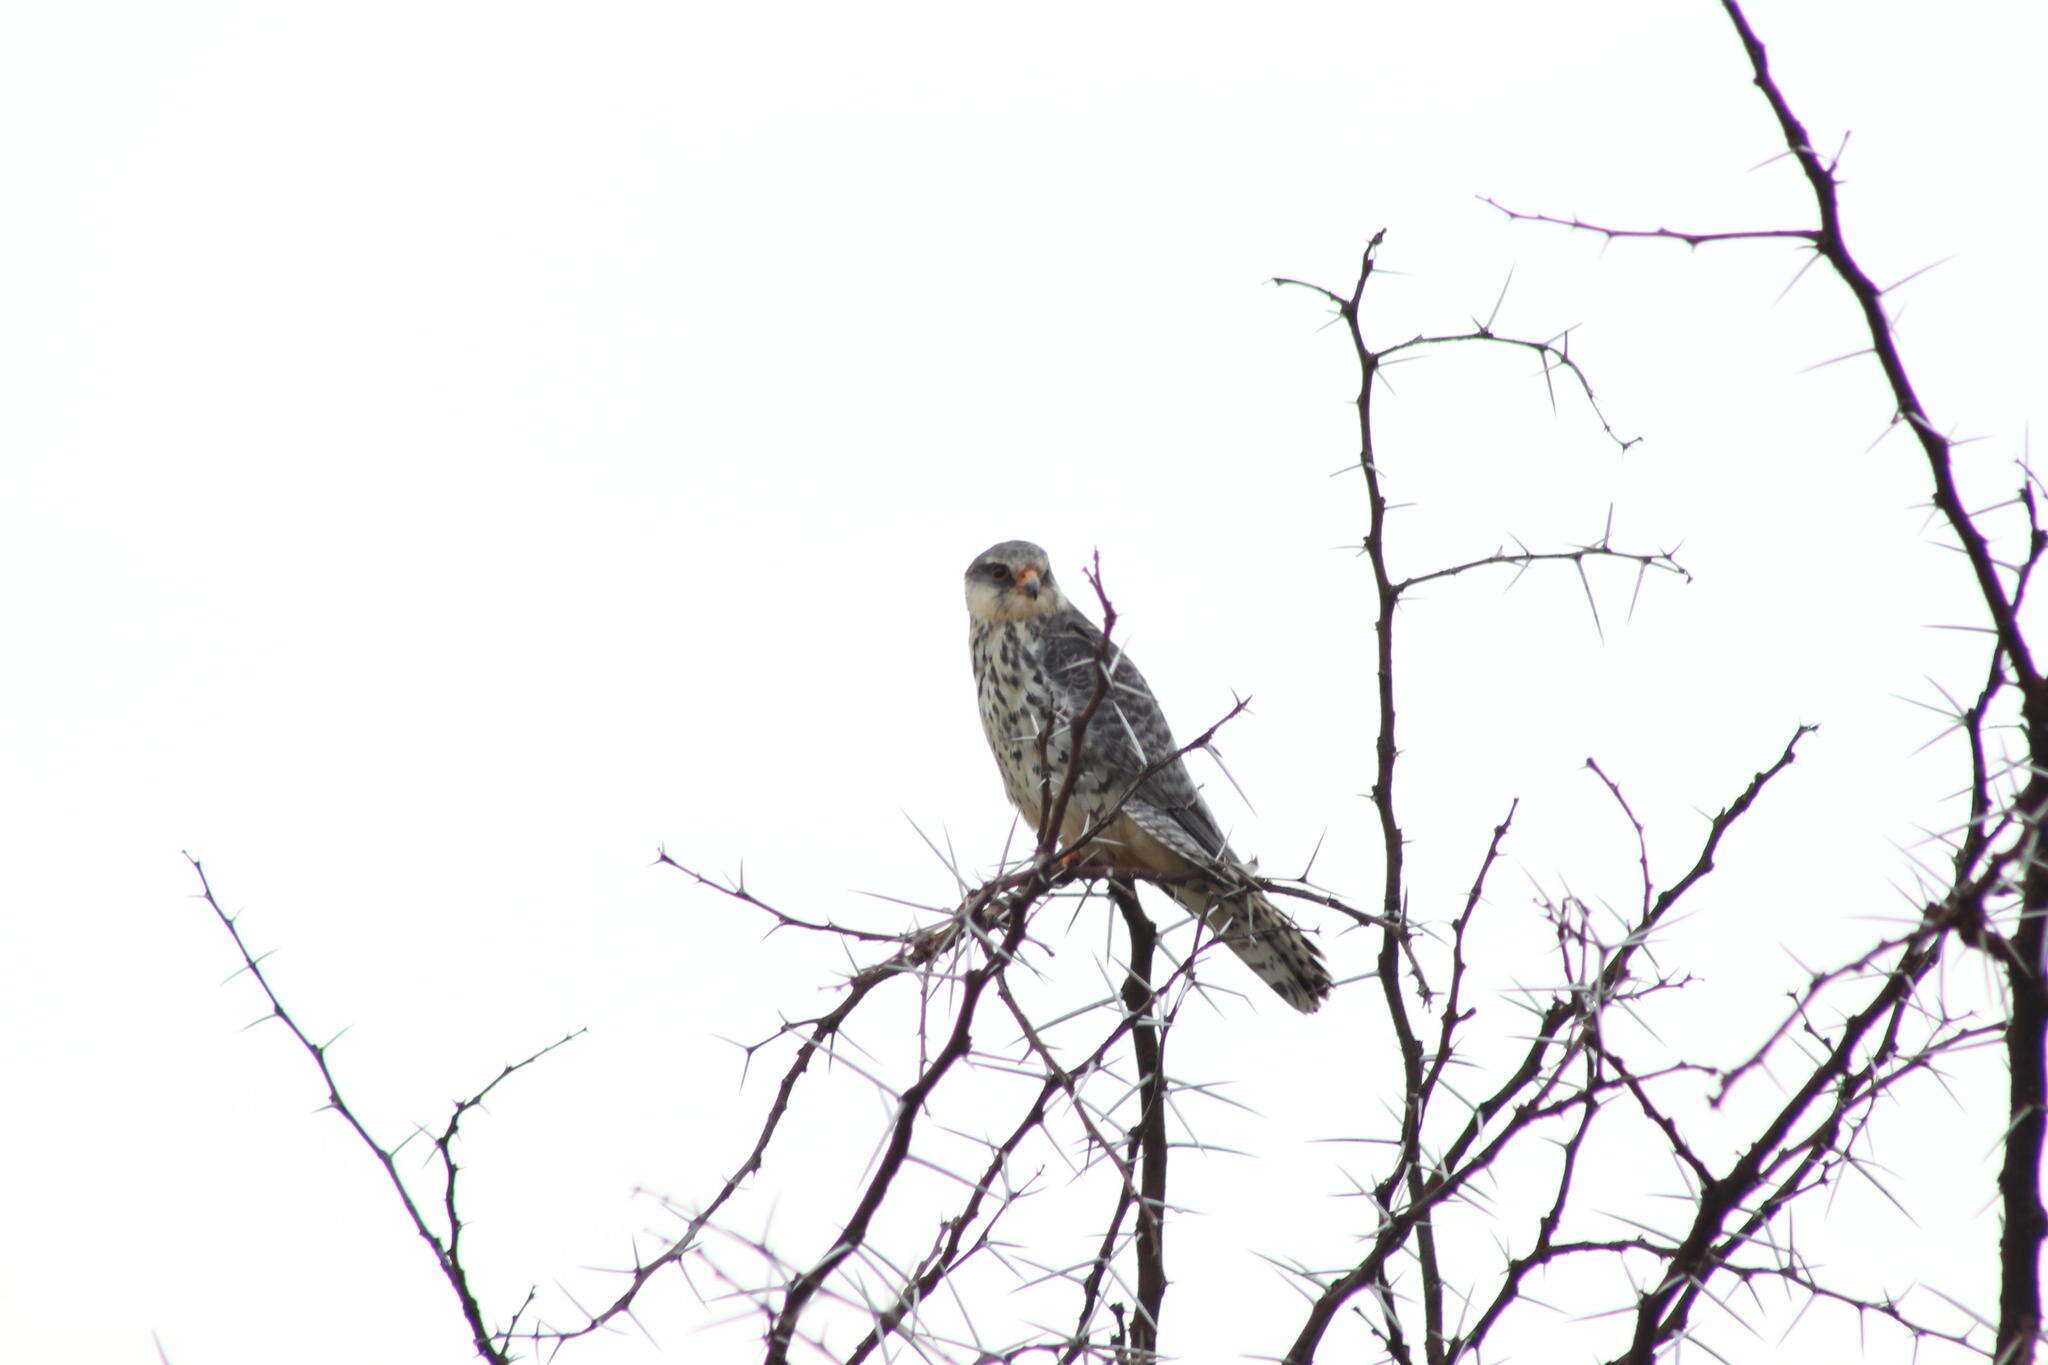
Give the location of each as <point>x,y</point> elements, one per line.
<point>489,1345</point>
<point>782,1332</point>
<point>1519,560</point>
<point>1530,1094</point>
<point>1665,234</point>
<point>2001,586</point>
<point>1832,244</point>
<point>2025,1222</point>
<point>1148,1041</point>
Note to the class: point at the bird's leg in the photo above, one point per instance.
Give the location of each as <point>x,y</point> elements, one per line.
<point>1088,861</point>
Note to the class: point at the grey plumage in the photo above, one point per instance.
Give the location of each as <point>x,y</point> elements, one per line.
<point>1038,663</point>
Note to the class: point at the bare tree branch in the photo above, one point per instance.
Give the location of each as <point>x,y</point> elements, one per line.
<point>446,1247</point>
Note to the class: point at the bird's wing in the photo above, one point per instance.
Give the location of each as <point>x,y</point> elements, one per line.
<point>1127,740</point>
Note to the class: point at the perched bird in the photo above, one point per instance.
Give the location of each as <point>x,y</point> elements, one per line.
<point>1037,665</point>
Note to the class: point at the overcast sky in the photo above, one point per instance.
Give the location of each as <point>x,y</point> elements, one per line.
<point>451,451</point>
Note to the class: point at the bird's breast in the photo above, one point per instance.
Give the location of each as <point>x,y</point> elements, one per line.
<point>1016,705</point>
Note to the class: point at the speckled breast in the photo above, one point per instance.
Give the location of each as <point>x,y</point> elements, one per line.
<point>1016,710</point>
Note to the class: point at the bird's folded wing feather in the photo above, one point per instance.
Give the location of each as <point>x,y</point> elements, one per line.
<point>1127,739</point>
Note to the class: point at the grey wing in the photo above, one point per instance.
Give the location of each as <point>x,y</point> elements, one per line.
<point>1127,740</point>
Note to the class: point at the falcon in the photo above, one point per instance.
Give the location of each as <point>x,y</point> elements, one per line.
<point>1038,663</point>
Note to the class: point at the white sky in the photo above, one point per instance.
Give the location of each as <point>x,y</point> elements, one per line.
<point>452,450</point>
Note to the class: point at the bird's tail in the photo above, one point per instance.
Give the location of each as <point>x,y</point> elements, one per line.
<point>1270,943</point>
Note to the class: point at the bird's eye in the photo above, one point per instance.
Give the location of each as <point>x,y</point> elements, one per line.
<point>999,572</point>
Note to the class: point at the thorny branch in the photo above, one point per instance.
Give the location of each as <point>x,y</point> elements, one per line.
<point>1409,1192</point>
<point>1998,867</point>
<point>1811,1135</point>
<point>446,1245</point>
<point>1141,1004</point>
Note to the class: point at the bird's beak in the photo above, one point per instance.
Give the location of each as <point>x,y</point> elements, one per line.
<point>1027,583</point>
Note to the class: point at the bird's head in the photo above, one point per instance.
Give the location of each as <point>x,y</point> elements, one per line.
<point>1011,581</point>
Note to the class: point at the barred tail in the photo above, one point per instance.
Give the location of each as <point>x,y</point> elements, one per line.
<point>1278,953</point>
